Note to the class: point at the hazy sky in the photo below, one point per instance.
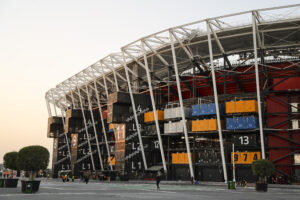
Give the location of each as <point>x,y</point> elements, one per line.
<point>42,43</point>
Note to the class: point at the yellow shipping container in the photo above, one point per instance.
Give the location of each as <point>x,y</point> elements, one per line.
<point>186,158</point>
<point>251,106</point>
<point>230,107</point>
<point>212,125</point>
<point>240,106</point>
<point>195,125</point>
<point>149,116</point>
<point>203,125</point>
<point>174,158</point>
<point>112,126</point>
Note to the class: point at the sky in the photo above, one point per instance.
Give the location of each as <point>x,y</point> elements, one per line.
<point>44,42</point>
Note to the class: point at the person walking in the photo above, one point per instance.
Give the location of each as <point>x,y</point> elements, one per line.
<point>86,179</point>
<point>158,180</point>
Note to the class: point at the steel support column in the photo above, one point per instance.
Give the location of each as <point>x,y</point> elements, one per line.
<point>86,129</point>
<point>94,127</point>
<point>181,106</point>
<point>216,101</point>
<point>102,122</point>
<point>258,88</point>
<point>134,111</point>
<point>154,109</point>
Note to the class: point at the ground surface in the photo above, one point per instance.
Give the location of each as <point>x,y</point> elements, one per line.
<point>53,189</point>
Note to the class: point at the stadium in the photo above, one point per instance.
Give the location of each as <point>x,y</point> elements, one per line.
<point>190,101</point>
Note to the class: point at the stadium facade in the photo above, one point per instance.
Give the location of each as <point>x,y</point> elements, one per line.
<point>188,101</point>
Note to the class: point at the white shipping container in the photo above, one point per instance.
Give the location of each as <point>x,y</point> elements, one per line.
<point>295,124</point>
<point>173,127</point>
<point>297,158</point>
<point>166,128</point>
<point>168,113</point>
<point>294,107</point>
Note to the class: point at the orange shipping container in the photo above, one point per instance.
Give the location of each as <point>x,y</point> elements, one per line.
<point>230,107</point>
<point>251,106</point>
<point>240,106</point>
<point>203,125</point>
<point>212,125</point>
<point>149,116</point>
<point>174,158</point>
<point>196,126</point>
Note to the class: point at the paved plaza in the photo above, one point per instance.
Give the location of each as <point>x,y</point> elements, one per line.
<point>53,189</point>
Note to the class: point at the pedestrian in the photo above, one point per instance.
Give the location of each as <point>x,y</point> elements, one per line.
<point>158,180</point>
<point>86,179</point>
<point>73,177</point>
<point>63,178</point>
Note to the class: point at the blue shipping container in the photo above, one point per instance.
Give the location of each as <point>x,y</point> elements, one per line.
<point>252,122</point>
<point>230,123</point>
<point>195,110</point>
<point>241,123</point>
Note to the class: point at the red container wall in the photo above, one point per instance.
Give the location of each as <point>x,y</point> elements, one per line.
<point>288,84</point>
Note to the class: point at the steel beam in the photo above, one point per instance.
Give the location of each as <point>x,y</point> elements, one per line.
<point>258,87</point>
<point>154,109</point>
<point>181,106</point>
<point>134,111</point>
<point>94,127</point>
<point>86,129</point>
<point>216,102</point>
<point>103,124</point>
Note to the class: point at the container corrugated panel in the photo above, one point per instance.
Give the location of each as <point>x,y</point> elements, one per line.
<point>240,106</point>
<point>174,158</point>
<point>195,125</point>
<point>203,109</point>
<point>295,124</point>
<point>181,158</point>
<point>252,122</point>
<point>170,127</point>
<point>149,116</point>
<point>251,106</point>
<point>291,83</point>
<point>230,107</point>
<point>196,110</point>
<point>212,125</point>
<point>230,123</point>
<point>203,125</point>
<point>167,127</point>
<point>241,123</point>
<point>168,113</point>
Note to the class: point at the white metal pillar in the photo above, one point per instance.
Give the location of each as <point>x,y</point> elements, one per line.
<point>102,122</point>
<point>134,111</point>
<point>94,127</point>
<point>258,88</point>
<point>181,106</point>
<point>216,101</point>
<point>154,109</point>
<point>86,129</point>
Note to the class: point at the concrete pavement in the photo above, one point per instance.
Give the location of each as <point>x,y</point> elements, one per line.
<point>54,189</point>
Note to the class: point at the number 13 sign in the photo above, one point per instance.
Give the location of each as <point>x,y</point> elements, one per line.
<point>245,157</point>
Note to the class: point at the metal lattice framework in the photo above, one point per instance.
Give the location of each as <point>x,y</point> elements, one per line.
<point>236,38</point>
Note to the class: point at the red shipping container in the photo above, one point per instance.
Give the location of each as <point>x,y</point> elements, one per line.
<point>288,84</point>
<point>104,114</point>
